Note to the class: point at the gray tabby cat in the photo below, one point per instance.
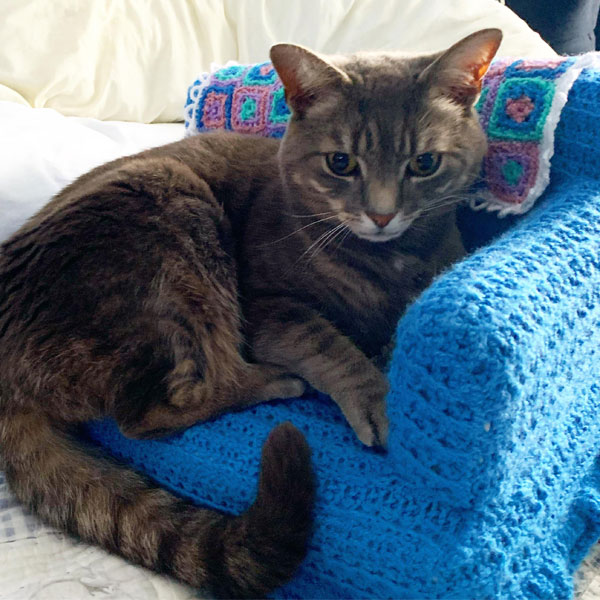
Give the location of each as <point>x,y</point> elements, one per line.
<point>208,275</point>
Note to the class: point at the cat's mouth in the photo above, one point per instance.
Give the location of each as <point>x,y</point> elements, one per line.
<point>380,236</point>
<point>366,229</point>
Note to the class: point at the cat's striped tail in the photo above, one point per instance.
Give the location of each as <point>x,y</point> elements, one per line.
<point>229,556</point>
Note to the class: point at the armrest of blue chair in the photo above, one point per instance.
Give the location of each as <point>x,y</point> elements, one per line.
<point>577,138</point>
<point>495,380</point>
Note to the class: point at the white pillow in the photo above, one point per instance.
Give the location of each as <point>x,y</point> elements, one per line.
<point>41,151</point>
<point>133,60</point>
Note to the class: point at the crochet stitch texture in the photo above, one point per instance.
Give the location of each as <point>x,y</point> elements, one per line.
<point>491,487</point>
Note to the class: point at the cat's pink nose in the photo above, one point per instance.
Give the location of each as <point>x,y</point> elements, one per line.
<point>381,220</point>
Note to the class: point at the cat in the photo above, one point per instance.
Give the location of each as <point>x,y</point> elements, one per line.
<point>208,275</point>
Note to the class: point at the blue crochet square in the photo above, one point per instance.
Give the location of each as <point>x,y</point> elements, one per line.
<point>228,73</point>
<point>510,169</point>
<point>248,109</point>
<point>279,111</point>
<point>520,109</point>
<point>214,108</point>
<point>262,74</point>
<point>533,68</point>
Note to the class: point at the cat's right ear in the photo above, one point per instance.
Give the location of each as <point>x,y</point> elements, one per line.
<point>458,72</point>
<point>306,77</point>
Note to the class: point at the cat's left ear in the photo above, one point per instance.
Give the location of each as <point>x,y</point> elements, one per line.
<point>458,72</point>
<point>307,77</point>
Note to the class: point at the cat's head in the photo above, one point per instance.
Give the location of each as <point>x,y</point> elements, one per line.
<point>380,139</point>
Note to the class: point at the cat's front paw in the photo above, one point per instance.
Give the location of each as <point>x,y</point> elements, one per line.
<point>366,414</point>
<point>371,424</point>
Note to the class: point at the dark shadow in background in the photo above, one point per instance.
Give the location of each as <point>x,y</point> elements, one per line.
<point>569,26</point>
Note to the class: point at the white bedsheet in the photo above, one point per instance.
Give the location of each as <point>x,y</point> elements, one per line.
<point>38,563</point>
<point>41,151</point>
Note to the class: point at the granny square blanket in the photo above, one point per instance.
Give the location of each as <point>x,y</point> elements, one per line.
<point>491,485</point>
<point>519,108</point>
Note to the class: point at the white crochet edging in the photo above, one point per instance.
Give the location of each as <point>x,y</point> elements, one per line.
<point>487,200</point>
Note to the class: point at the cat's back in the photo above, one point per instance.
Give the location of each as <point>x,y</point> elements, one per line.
<point>116,225</point>
<point>227,162</point>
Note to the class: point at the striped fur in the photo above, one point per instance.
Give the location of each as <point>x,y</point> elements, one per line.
<point>211,274</point>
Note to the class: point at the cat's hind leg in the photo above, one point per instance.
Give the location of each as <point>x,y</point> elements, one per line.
<point>186,365</point>
<point>161,416</point>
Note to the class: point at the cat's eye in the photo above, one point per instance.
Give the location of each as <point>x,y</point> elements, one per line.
<point>342,164</point>
<point>424,164</point>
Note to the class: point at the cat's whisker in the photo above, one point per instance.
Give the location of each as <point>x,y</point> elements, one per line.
<point>321,242</point>
<point>344,238</point>
<point>322,239</point>
<point>324,243</point>
<point>329,212</point>
<point>317,241</point>
<point>450,198</point>
<point>440,203</point>
<point>421,227</point>
<point>289,235</point>
<point>313,244</point>
<point>333,235</point>
<point>478,179</point>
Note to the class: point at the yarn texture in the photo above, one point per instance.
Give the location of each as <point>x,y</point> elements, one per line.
<point>241,98</point>
<point>491,485</point>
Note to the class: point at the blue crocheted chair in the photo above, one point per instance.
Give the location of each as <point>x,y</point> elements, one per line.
<point>491,488</point>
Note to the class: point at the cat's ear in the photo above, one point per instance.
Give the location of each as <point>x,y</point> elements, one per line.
<point>457,72</point>
<point>306,77</point>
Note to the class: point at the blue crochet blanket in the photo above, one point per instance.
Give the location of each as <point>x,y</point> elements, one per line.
<point>491,488</point>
